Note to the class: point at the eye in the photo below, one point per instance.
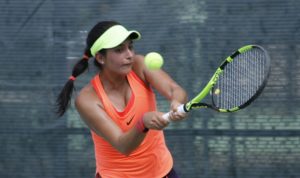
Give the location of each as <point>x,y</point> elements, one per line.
<point>119,49</point>
<point>130,47</point>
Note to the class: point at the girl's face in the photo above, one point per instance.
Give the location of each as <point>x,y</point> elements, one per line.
<point>118,60</point>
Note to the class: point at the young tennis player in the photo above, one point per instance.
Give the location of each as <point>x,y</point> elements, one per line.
<point>119,106</point>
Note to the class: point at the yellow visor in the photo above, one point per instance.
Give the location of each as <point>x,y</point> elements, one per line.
<point>113,37</point>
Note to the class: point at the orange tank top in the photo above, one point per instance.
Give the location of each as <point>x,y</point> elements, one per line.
<point>151,159</point>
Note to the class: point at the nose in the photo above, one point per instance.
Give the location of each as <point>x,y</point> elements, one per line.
<point>129,53</point>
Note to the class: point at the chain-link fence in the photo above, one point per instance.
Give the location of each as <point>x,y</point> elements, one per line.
<point>41,40</point>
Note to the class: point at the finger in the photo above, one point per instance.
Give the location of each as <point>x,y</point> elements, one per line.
<point>164,122</point>
<point>175,116</point>
<point>161,123</point>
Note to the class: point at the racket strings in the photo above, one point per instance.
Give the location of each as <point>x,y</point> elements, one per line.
<point>240,79</point>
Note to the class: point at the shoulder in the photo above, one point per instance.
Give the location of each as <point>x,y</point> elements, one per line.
<point>139,67</point>
<point>91,110</point>
<point>87,99</point>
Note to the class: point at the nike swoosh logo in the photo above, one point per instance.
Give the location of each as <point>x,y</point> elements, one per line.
<point>128,122</point>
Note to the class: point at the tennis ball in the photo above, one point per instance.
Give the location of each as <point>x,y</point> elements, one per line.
<point>217,91</point>
<point>153,60</point>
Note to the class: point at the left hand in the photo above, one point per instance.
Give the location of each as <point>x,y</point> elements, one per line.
<point>174,115</point>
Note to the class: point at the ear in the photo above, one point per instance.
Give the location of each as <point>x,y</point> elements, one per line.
<point>100,58</point>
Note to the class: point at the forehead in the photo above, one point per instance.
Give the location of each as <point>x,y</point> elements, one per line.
<point>125,44</point>
<point>128,41</point>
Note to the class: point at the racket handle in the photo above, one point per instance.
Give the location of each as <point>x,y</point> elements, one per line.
<point>180,109</point>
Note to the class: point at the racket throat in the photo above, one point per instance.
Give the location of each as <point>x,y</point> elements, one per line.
<point>198,106</point>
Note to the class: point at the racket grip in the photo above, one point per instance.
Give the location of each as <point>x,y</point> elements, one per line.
<point>180,109</point>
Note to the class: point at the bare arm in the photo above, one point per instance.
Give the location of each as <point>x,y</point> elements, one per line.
<point>163,83</point>
<point>93,114</point>
<point>91,111</point>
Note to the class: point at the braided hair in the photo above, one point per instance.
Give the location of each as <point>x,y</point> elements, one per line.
<point>64,98</point>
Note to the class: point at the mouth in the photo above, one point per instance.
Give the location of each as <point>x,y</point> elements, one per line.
<point>128,64</point>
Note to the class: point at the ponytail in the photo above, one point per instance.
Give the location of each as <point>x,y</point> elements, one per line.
<point>64,98</point>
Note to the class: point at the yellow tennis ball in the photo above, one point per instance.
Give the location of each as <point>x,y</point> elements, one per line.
<point>217,91</point>
<point>153,60</point>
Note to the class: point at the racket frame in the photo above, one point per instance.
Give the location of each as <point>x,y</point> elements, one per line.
<point>195,103</point>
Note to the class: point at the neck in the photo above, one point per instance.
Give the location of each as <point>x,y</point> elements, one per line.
<point>112,81</point>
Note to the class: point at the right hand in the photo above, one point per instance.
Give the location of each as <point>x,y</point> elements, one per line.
<point>174,115</point>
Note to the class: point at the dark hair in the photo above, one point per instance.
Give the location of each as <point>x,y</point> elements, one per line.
<point>64,98</point>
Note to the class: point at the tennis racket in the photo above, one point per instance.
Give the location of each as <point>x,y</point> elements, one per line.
<point>237,82</point>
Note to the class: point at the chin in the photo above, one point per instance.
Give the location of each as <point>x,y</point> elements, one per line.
<point>125,70</point>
